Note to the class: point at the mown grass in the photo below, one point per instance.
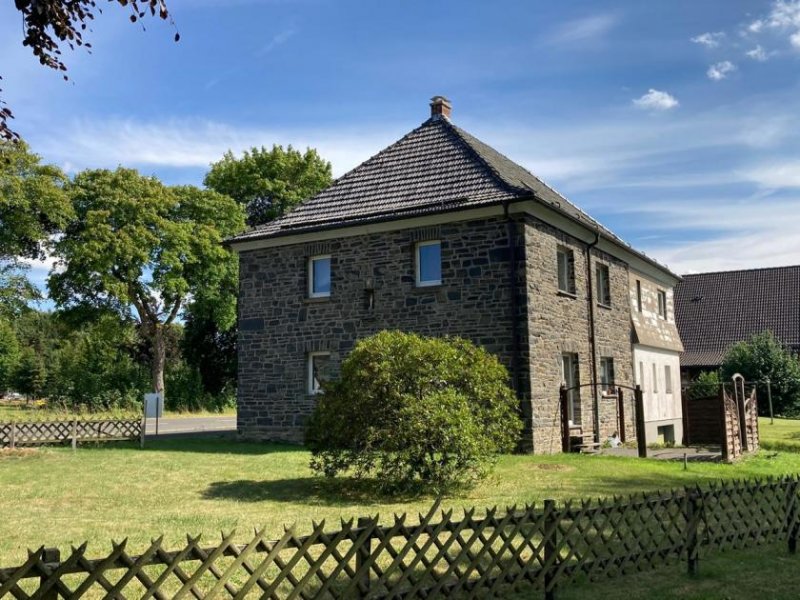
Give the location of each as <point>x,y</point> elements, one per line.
<point>768,572</point>
<point>40,411</point>
<point>783,434</point>
<point>56,497</point>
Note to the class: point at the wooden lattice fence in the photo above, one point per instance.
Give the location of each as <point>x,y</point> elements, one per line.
<point>75,431</point>
<point>538,547</point>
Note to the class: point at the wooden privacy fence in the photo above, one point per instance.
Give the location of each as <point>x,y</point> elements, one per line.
<point>35,433</point>
<point>543,547</point>
<point>728,419</point>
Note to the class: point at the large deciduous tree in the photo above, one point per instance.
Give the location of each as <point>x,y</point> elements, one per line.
<point>139,247</point>
<point>269,182</point>
<point>47,24</point>
<point>33,204</point>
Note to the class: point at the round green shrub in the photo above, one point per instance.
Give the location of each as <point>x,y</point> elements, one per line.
<point>414,413</point>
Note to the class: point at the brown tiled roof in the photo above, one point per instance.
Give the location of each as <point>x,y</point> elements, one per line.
<point>437,167</point>
<point>715,310</point>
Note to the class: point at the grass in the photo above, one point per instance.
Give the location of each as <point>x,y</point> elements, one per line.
<point>56,497</point>
<point>784,434</point>
<point>768,572</point>
<point>38,411</point>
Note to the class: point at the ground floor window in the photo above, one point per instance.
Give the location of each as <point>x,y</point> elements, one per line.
<point>318,367</point>
<point>607,375</point>
<point>571,377</point>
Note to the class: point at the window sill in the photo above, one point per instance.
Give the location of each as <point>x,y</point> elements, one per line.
<point>568,294</point>
<point>423,289</point>
<point>604,306</point>
<point>317,300</point>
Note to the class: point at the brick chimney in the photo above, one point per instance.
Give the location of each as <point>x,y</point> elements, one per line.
<point>440,107</point>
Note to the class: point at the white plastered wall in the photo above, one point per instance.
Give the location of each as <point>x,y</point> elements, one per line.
<point>662,402</point>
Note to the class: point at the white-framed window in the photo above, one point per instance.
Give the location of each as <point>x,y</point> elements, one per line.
<point>319,276</point>
<point>667,379</point>
<point>638,295</point>
<point>318,365</point>
<point>565,259</point>
<point>607,375</point>
<point>603,285</point>
<point>570,374</point>
<point>662,304</point>
<point>429,263</point>
<point>655,379</point>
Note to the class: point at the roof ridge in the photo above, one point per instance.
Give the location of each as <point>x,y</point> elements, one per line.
<point>731,271</point>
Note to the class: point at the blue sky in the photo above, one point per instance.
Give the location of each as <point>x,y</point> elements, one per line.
<point>674,123</point>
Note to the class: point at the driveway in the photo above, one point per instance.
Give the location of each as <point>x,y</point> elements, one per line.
<point>190,426</point>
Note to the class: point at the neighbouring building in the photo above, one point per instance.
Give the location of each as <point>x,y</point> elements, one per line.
<point>716,310</point>
<point>442,235</point>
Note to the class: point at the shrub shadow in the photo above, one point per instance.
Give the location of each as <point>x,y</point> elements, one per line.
<point>308,490</point>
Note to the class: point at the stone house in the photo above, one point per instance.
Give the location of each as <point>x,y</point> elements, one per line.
<point>442,235</point>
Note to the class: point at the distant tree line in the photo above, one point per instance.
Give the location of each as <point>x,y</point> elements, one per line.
<point>143,286</point>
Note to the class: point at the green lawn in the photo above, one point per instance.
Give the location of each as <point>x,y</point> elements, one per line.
<point>56,497</point>
<point>37,411</point>
<point>768,572</point>
<point>784,434</point>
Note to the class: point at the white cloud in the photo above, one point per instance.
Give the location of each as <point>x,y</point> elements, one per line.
<point>776,175</point>
<point>656,100</point>
<point>190,143</point>
<point>582,30</point>
<point>720,70</point>
<point>277,40</point>
<point>784,17</point>
<point>709,39</point>
<point>758,53</point>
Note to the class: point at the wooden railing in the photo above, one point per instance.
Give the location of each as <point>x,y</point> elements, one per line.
<point>75,431</point>
<point>542,548</point>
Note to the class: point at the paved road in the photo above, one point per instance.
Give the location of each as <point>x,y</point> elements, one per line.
<point>191,425</point>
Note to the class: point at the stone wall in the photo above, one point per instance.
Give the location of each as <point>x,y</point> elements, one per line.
<point>559,323</point>
<point>279,325</point>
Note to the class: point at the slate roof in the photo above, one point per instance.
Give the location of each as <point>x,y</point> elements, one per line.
<point>715,310</point>
<point>437,167</point>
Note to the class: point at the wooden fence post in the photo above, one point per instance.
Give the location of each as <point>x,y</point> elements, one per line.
<point>13,434</point>
<point>50,555</point>
<point>74,433</point>
<point>792,514</point>
<point>621,412</point>
<point>550,534</point>
<point>362,556</point>
<point>563,396</point>
<point>692,521</point>
<point>723,432</point>
<point>641,441</point>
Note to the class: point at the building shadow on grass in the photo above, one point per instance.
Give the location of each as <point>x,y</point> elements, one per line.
<point>310,490</point>
<point>201,445</point>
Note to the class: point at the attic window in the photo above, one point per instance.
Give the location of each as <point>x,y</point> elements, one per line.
<point>662,304</point>
<point>319,276</point>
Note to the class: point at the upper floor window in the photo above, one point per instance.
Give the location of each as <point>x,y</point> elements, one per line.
<point>638,295</point>
<point>429,263</point>
<point>566,270</point>
<point>603,285</point>
<point>319,276</point>
<point>607,374</point>
<point>667,379</point>
<point>662,304</point>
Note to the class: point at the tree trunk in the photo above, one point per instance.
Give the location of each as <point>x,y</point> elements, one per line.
<point>158,360</point>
